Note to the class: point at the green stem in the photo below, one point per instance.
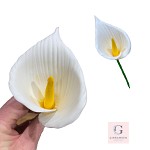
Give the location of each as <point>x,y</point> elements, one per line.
<point>123,73</point>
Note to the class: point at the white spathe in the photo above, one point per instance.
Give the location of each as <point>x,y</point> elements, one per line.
<point>103,40</point>
<point>28,79</point>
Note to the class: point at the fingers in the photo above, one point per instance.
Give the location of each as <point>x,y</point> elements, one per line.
<point>33,132</point>
<point>20,128</point>
<point>24,121</point>
<point>11,111</point>
<point>29,116</point>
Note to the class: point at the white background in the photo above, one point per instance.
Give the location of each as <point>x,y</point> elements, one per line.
<point>23,23</point>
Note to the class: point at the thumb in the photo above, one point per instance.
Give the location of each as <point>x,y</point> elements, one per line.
<point>33,132</point>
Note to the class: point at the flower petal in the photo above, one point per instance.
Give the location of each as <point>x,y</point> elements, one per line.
<point>28,79</point>
<point>104,33</point>
<point>71,101</point>
<point>36,91</point>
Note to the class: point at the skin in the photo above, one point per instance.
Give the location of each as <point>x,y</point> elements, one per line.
<point>13,137</point>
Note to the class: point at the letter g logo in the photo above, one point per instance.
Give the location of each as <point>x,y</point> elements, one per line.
<point>118,129</point>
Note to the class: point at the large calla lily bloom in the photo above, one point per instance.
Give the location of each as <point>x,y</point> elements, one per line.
<point>48,79</point>
<point>111,42</point>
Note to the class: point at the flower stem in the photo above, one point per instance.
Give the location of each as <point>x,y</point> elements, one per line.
<point>123,73</point>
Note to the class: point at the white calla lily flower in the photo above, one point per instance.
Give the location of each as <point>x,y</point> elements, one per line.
<point>111,42</point>
<point>48,79</point>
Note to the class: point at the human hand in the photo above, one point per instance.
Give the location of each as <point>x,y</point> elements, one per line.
<point>10,139</point>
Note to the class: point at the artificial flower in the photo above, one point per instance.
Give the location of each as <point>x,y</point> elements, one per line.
<point>112,43</point>
<point>48,79</point>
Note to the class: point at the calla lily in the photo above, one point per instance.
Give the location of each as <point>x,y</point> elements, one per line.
<point>48,79</point>
<point>111,42</point>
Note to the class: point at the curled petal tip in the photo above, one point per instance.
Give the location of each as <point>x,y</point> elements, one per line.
<point>57,30</point>
<point>95,18</point>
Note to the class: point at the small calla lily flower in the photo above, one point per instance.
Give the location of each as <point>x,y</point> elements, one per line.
<point>48,79</point>
<point>111,42</point>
